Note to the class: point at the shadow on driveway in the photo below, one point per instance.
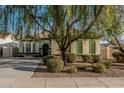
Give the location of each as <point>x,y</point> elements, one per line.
<point>30,69</point>
<point>25,64</point>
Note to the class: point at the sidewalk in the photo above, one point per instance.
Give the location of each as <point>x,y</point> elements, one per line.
<point>85,82</point>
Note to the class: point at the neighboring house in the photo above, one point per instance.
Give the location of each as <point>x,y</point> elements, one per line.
<point>46,46</point>
<point>8,46</point>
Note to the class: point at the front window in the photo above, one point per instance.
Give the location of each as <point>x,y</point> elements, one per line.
<point>92,46</point>
<point>79,47</point>
<point>28,47</point>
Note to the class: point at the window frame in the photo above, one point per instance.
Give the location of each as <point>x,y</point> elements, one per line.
<point>92,48</point>
<point>79,48</point>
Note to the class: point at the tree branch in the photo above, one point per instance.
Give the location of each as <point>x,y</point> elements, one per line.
<point>95,19</point>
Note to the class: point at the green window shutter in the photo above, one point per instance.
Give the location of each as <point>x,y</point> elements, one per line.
<point>79,47</point>
<point>92,46</point>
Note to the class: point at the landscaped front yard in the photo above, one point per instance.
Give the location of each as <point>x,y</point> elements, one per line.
<point>116,70</point>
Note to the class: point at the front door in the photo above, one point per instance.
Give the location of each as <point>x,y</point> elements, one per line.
<point>45,49</point>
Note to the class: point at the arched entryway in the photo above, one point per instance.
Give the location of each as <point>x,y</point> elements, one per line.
<point>45,49</point>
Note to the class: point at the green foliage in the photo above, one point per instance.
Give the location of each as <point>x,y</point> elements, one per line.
<point>109,16</point>
<point>55,65</point>
<point>99,68</point>
<point>85,57</point>
<point>107,64</point>
<point>65,24</point>
<point>72,69</point>
<point>96,58</point>
<point>119,57</point>
<point>71,58</point>
<point>46,58</point>
<point>112,24</point>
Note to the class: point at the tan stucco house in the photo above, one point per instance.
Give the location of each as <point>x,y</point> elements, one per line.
<point>46,46</point>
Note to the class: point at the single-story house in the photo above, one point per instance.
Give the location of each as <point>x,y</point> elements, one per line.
<point>46,46</point>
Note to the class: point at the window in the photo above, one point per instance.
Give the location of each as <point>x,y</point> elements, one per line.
<point>79,47</point>
<point>28,48</point>
<point>92,46</point>
<point>33,47</point>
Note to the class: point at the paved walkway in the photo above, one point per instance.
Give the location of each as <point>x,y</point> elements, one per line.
<point>84,82</point>
<point>17,72</point>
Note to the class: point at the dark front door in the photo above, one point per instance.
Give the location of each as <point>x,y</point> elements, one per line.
<point>45,49</point>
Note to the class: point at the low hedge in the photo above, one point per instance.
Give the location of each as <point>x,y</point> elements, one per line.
<point>46,58</point>
<point>54,65</point>
<point>96,58</point>
<point>107,64</point>
<point>99,68</point>
<point>119,57</point>
<point>71,58</point>
<point>72,69</point>
<point>85,57</point>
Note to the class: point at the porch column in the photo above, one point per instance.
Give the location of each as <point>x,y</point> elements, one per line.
<point>20,47</point>
<point>97,46</point>
<point>73,47</point>
<point>37,47</point>
<point>109,52</point>
<point>54,48</point>
<point>32,47</point>
<point>85,46</point>
<point>24,47</point>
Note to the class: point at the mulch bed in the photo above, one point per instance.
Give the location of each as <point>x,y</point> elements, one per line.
<point>117,70</point>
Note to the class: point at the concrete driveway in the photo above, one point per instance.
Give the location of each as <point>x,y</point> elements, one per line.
<point>18,67</point>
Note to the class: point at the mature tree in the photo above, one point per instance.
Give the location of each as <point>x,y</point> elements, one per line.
<point>65,24</point>
<point>112,26</point>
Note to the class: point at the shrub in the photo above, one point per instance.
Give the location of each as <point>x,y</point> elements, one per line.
<point>72,69</point>
<point>46,58</point>
<point>96,58</point>
<point>107,64</point>
<point>20,55</point>
<point>71,58</point>
<point>85,57</point>
<point>99,68</point>
<point>119,57</point>
<point>55,65</point>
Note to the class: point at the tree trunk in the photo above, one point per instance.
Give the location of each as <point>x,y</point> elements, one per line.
<point>64,58</point>
<point>122,50</point>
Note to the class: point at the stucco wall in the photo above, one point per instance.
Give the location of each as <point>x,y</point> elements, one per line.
<point>106,52</point>
<point>73,47</point>
<point>85,46</point>
<point>54,48</point>
<point>97,46</point>
<point>7,51</point>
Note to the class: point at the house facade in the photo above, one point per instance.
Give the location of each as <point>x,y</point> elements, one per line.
<point>8,46</point>
<point>46,46</point>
